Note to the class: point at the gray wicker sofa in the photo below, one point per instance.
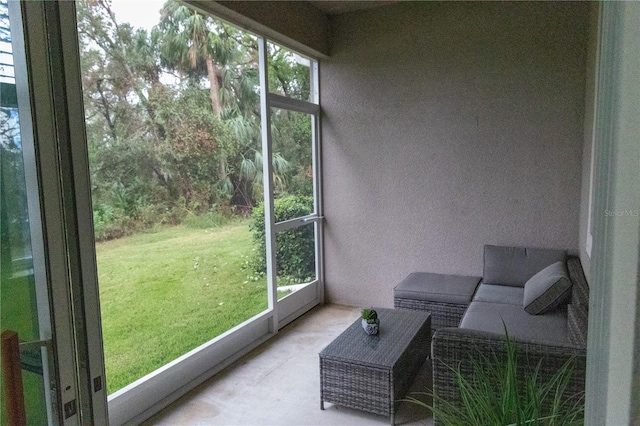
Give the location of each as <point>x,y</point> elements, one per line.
<point>549,338</point>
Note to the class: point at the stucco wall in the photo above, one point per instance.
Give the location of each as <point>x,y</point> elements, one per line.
<point>448,126</point>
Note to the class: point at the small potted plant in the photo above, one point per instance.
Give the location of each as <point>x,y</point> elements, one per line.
<point>370,321</point>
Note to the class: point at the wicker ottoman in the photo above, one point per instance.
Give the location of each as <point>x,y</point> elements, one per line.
<point>446,297</point>
<point>372,373</point>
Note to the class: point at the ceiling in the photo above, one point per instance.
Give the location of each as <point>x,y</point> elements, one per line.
<point>332,7</point>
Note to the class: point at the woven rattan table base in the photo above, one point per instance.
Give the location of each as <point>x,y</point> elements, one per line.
<point>371,373</point>
<point>442,314</point>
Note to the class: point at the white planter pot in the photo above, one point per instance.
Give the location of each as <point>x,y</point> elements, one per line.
<point>370,328</point>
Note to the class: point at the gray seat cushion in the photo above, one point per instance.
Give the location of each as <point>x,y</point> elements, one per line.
<point>431,287</point>
<point>515,265</point>
<point>547,289</point>
<point>499,294</point>
<point>548,328</point>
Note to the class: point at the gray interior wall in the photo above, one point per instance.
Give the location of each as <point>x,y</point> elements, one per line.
<point>447,126</point>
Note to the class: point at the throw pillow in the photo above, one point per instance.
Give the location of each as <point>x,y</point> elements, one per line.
<point>547,289</point>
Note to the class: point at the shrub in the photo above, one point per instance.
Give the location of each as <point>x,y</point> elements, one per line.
<point>114,224</point>
<point>295,248</point>
<point>210,219</point>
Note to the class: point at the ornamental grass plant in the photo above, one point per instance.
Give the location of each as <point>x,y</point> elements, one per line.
<point>497,394</point>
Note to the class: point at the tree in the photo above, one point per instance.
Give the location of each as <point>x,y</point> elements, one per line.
<point>173,118</point>
<point>196,45</point>
<point>287,76</point>
<point>120,79</point>
<point>127,62</point>
<point>186,40</point>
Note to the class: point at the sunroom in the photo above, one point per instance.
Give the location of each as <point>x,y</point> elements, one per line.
<point>430,130</point>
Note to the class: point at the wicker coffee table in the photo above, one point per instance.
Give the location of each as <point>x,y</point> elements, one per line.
<point>371,373</point>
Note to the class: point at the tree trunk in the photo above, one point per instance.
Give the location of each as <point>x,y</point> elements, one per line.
<point>106,110</point>
<point>214,92</point>
<point>214,89</point>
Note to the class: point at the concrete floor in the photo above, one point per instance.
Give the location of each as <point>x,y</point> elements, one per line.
<point>278,383</point>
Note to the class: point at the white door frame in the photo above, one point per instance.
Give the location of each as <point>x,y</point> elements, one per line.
<point>614,267</point>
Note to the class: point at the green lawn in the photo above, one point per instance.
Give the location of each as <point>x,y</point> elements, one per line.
<point>165,293</point>
<point>17,308</point>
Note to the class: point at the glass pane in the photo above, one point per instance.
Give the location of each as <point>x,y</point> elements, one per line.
<point>18,307</point>
<point>296,258</point>
<point>171,97</point>
<point>289,73</point>
<point>292,145</point>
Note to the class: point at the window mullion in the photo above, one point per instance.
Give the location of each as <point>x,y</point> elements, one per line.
<point>317,181</point>
<point>282,102</point>
<point>267,170</point>
<point>296,222</point>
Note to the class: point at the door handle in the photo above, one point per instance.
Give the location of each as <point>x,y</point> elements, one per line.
<point>31,356</point>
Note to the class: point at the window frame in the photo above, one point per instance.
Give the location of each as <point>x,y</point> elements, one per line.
<point>294,304</point>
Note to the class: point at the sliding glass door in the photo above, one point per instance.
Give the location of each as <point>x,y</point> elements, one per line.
<point>160,201</point>
<point>24,302</point>
<point>48,377</point>
<point>200,151</point>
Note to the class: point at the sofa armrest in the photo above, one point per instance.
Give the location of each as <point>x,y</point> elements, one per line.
<point>455,348</point>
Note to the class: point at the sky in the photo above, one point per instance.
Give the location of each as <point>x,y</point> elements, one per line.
<point>139,13</point>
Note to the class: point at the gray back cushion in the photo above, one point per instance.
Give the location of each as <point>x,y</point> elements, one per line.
<point>515,265</point>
